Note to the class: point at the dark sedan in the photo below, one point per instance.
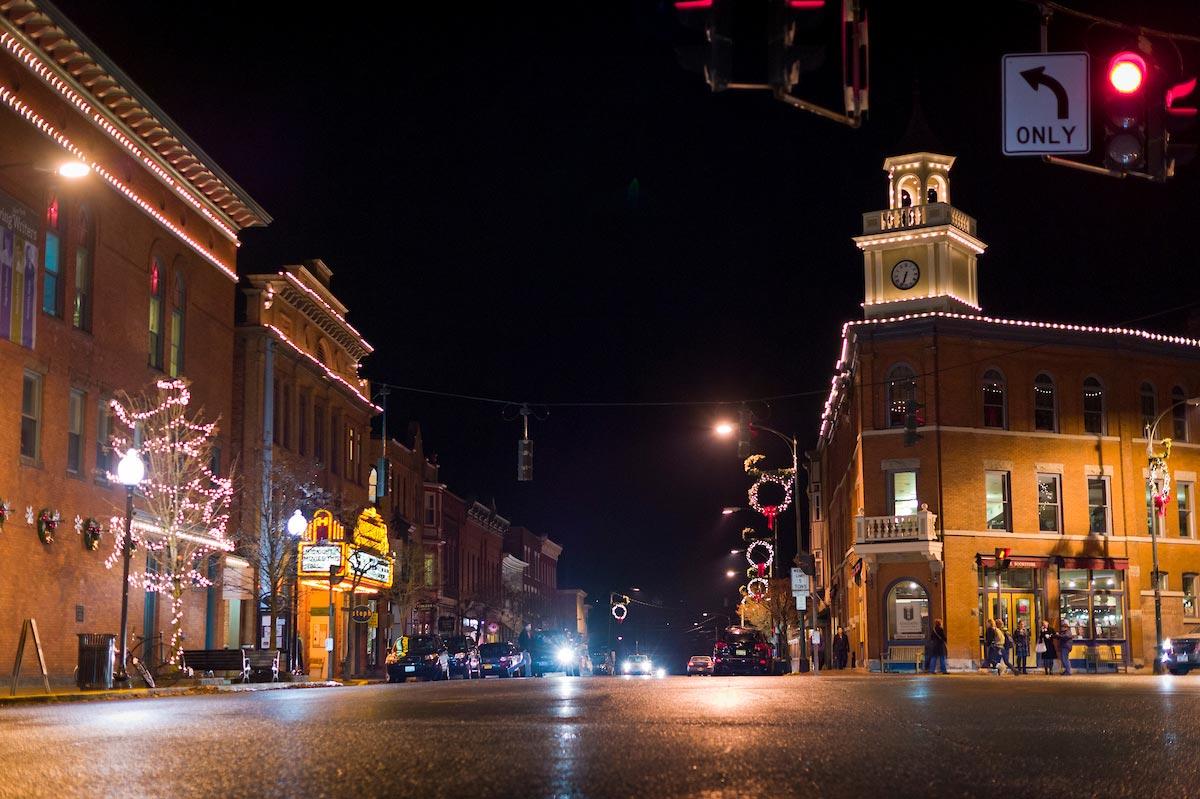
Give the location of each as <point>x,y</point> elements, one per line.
<point>500,659</point>
<point>418,656</point>
<point>1181,654</point>
<point>464,657</point>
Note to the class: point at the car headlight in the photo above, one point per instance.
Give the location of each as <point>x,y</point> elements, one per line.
<point>1166,644</point>
<point>564,655</point>
<point>661,673</point>
<point>626,666</point>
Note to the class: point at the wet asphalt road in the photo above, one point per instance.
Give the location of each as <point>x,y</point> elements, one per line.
<point>601,737</point>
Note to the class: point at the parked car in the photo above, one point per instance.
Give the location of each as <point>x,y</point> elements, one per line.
<point>637,664</point>
<point>1181,654</point>
<point>418,656</point>
<point>464,657</point>
<point>741,650</point>
<point>552,652</point>
<point>501,659</point>
<point>700,664</point>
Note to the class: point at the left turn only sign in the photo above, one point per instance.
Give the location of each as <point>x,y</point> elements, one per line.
<point>1047,104</point>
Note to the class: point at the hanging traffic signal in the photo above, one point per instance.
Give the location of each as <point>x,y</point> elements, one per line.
<point>1002,560</point>
<point>1179,123</point>
<point>795,40</point>
<point>1126,136</point>
<point>524,460</point>
<point>709,47</point>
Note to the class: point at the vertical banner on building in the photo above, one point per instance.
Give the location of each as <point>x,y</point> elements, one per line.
<point>18,271</point>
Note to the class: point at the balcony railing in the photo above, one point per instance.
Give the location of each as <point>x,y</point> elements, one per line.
<point>917,216</point>
<point>919,526</point>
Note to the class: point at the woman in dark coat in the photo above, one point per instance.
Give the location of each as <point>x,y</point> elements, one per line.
<point>1048,640</point>
<point>937,648</point>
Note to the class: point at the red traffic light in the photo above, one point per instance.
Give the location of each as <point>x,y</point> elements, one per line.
<point>1126,72</point>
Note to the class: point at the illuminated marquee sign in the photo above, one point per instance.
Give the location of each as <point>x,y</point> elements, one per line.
<point>315,559</point>
<point>366,563</point>
<point>373,568</point>
<point>370,532</point>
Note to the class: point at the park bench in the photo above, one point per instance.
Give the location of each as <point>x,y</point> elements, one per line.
<point>1105,655</point>
<point>233,661</point>
<point>263,662</point>
<point>906,655</point>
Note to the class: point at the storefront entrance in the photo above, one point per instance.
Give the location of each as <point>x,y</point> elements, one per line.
<point>1009,597</point>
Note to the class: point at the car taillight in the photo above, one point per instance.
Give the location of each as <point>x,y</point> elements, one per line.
<point>762,662</point>
<point>720,644</point>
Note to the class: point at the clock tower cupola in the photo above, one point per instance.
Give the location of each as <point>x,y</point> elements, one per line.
<point>919,254</point>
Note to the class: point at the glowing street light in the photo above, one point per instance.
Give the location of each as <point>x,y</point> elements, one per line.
<point>724,429</point>
<point>73,170</point>
<point>130,471</point>
<point>296,525</point>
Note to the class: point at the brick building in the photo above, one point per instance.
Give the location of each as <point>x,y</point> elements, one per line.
<point>107,283</point>
<point>948,434</point>
<point>300,412</point>
<point>540,580</point>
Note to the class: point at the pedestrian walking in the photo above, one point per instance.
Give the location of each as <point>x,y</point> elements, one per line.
<point>1046,647</point>
<point>841,648</point>
<point>525,644</point>
<point>1021,643</point>
<point>1065,637</point>
<point>990,651</point>
<point>937,649</point>
<point>1006,648</point>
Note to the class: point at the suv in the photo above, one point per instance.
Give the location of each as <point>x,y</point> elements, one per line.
<point>741,650</point>
<point>464,657</point>
<point>1181,653</point>
<point>417,656</point>
<point>554,652</point>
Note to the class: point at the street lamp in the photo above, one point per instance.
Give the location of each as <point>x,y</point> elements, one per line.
<point>130,471</point>
<point>1158,480</point>
<point>69,169</point>
<point>296,525</point>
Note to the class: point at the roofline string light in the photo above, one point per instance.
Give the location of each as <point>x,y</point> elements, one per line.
<point>294,281</point>
<point>323,367</point>
<point>48,76</point>
<point>10,99</point>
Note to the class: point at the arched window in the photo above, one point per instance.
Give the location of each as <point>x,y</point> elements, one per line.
<point>1093,406</point>
<point>1045,407</point>
<point>373,484</point>
<point>157,279</point>
<point>993,399</point>
<point>908,611</point>
<point>52,276</point>
<point>1149,405</point>
<point>901,390</point>
<point>178,317</point>
<point>1179,414</point>
<point>81,308</point>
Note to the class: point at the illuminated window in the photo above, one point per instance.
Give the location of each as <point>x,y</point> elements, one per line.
<point>1149,404</point>
<point>1093,406</point>
<point>430,571</point>
<point>901,390</point>
<point>993,399</point>
<point>1091,603</point>
<point>1045,407</point>
<point>157,278</point>
<point>52,277</point>
<point>373,484</point>
<point>1179,414</point>
<point>1049,504</point>
<point>902,493</point>
<point>1184,499</point>
<point>81,308</point>
<point>178,316</point>
<point>75,432</point>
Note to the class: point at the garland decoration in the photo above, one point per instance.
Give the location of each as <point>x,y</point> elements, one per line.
<point>760,563</point>
<point>757,588</point>
<point>91,534</point>
<point>619,611</point>
<point>771,511</point>
<point>47,524</point>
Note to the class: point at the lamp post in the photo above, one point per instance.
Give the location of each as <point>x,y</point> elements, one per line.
<point>1158,481</point>
<point>130,471</point>
<point>725,429</point>
<point>296,525</point>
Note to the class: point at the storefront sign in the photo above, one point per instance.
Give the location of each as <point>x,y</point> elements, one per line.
<point>371,567</point>
<point>315,559</point>
<point>908,618</point>
<point>18,271</point>
<point>370,532</point>
<point>360,614</point>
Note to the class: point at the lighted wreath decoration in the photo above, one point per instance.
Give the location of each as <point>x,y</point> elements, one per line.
<point>757,588</point>
<point>91,534</point>
<point>771,511</point>
<point>762,561</point>
<point>47,524</point>
<point>5,511</point>
<point>620,611</point>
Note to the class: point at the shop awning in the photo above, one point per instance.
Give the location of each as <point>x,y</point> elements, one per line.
<point>1062,561</point>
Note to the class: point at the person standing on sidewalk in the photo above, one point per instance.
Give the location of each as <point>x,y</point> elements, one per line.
<point>990,652</point>
<point>1064,640</point>
<point>841,648</point>
<point>1047,648</point>
<point>1021,642</point>
<point>937,649</point>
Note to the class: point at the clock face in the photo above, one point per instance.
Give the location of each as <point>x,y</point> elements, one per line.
<point>905,274</point>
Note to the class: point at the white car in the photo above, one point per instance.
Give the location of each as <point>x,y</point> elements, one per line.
<point>637,664</point>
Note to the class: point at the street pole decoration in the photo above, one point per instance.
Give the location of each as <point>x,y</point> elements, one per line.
<point>780,478</point>
<point>1160,488</point>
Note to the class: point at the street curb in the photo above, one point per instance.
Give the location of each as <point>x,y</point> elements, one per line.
<point>152,693</point>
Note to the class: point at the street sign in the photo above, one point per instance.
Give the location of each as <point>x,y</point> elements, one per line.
<point>1047,103</point>
<point>361,614</point>
<point>799,581</point>
<point>801,601</point>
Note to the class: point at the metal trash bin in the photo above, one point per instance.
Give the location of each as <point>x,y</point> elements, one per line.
<point>96,654</point>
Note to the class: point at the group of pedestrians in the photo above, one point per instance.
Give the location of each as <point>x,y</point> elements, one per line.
<point>1001,646</point>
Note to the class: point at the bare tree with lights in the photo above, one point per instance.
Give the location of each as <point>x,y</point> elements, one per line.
<point>187,504</point>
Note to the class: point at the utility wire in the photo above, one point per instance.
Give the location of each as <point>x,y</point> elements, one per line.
<point>1112,23</point>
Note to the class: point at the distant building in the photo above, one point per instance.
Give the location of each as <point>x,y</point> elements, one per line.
<point>948,434</point>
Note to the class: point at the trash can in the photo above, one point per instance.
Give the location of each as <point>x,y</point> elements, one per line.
<point>96,655</point>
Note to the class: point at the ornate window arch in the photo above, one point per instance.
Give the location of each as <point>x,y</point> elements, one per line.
<point>1093,406</point>
<point>901,390</point>
<point>995,399</point>
<point>907,609</point>
<point>1045,404</point>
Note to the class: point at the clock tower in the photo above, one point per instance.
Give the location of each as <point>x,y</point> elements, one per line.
<point>919,253</point>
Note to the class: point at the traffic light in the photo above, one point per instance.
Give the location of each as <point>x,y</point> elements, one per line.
<point>708,49</point>
<point>1179,123</point>
<point>913,418</point>
<point>807,563</point>
<point>1126,134</point>
<point>796,39</point>
<point>1002,560</point>
<point>525,460</point>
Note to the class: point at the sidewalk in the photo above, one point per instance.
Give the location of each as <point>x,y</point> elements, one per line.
<point>35,695</point>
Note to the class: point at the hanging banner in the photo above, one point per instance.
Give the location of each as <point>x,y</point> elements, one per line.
<point>18,271</point>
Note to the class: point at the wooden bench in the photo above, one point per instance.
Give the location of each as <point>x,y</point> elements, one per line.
<point>218,660</point>
<point>263,662</point>
<point>1105,655</point>
<point>894,655</point>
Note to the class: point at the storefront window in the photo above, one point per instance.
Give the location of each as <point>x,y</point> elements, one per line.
<point>1049,509</point>
<point>1091,602</point>
<point>908,611</point>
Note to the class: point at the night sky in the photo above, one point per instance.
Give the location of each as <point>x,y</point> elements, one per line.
<point>469,177</point>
